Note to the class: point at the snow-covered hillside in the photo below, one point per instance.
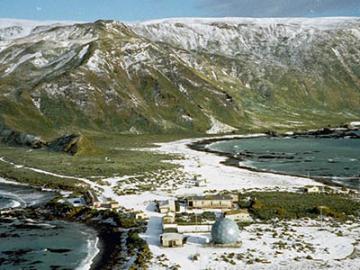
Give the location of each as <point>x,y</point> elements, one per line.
<point>205,75</point>
<point>236,36</point>
<point>13,28</point>
<point>317,22</point>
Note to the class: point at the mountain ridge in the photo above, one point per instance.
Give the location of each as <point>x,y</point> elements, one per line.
<point>165,76</point>
<point>257,20</point>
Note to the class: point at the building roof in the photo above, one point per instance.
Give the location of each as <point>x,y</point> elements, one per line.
<point>211,198</point>
<point>77,201</point>
<point>166,203</point>
<point>172,236</point>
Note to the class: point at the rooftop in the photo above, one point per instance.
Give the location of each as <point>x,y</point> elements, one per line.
<point>211,197</point>
<point>166,236</point>
<point>166,202</point>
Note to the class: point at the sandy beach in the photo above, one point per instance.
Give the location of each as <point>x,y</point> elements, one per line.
<point>221,177</point>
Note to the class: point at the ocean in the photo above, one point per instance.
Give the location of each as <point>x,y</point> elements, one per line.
<point>33,244</point>
<point>333,159</point>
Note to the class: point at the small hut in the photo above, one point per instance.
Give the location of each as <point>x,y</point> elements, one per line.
<point>172,240</point>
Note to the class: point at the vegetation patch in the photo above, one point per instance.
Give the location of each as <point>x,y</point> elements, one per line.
<point>23,175</point>
<point>101,156</point>
<point>288,205</point>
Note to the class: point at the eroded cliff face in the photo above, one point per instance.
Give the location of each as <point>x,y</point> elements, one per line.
<point>71,144</point>
<point>16,138</point>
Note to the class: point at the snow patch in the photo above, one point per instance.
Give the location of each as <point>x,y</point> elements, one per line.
<point>37,102</point>
<point>11,29</point>
<point>134,130</point>
<point>355,124</point>
<point>186,118</point>
<point>182,89</point>
<point>336,52</point>
<point>39,61</point>
<point>218,127</point>
<point>237,36</point>
<point>22,60</point>
<point>95,62</point>
<point>83,51</point>
<point>326,22</point>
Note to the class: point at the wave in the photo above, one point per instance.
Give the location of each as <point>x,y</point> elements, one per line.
<point>40,225</point>
<point>26,196</point>
<point>10,204</point>
<point>93,251</point>
<point>16,200</point>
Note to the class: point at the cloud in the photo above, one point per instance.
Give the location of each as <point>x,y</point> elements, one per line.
<point>39,9</point>
<point>282,8</point>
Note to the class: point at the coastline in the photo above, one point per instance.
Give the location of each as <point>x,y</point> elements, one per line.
<point>238,163</point>
<point>9,182</point>
<point>104,258</point>
<point>203,146</point>
<point>220,176</point>
<point>92,244</point>
<point>94,250</point>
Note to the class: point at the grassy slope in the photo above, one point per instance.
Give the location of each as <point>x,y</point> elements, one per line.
<point>317,91</point>
<point>90,163</point>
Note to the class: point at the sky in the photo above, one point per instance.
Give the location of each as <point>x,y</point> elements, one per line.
<point>140,10</point>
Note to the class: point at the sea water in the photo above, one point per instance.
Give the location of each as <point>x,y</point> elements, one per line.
<point>33,244</point>
<point>12,196</point>
<point>328,158</point>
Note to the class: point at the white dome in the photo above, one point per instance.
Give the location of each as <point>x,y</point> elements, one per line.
<point>225,231</point>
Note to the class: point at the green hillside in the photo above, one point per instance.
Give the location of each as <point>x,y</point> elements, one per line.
<point>107,76</point>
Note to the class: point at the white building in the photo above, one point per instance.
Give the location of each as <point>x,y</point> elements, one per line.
<point>172,240</point>
<point>210,202</point>
<point>167,206</point>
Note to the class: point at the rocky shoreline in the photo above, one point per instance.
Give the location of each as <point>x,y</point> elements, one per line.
<point>344,132</point>
<point>116,231</point>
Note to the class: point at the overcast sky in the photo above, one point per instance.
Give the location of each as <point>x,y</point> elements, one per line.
<point>137,10</point>
<point>283,8</point>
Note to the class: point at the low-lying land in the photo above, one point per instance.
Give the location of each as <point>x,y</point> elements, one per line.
<point>115,155</point>
<point>287,226</point>
<point>288,205</point>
